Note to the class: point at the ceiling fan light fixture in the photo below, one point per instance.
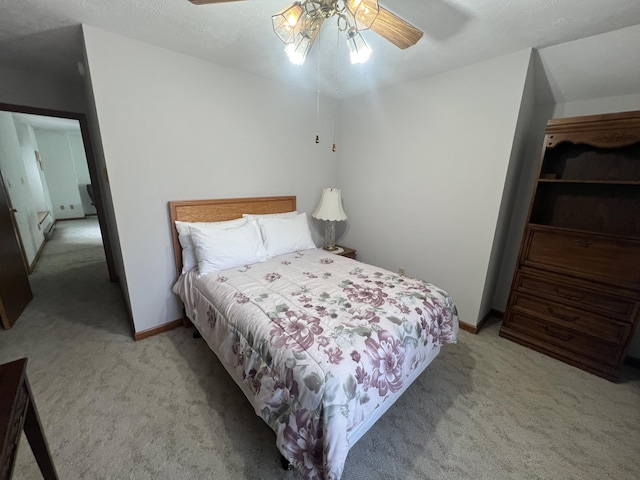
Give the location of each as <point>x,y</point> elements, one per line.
<point>298,50</point>
<point>364,12</point>
<point>359,51</point>
<point>285,22</point>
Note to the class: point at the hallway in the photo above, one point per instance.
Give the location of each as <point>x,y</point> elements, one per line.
<point>70,286</point>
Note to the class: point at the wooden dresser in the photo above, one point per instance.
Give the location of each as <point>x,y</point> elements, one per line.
<point>576,291</point>
<point>18,413</point>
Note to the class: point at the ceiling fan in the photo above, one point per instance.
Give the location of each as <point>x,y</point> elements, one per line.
<point>298,25</point>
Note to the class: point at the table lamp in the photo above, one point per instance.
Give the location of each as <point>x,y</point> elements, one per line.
<point>330,210</point>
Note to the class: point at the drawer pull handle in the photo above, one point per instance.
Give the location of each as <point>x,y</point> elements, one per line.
<point>583,243</point>
<point>575,298</point>
<point>560,336</point>
<point>568,318</point>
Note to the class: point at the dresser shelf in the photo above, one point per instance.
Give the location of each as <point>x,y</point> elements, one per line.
<point>576,291</point>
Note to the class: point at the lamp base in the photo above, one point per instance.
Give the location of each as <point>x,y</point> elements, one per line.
<point>332,248</point>
<point>330,236</point>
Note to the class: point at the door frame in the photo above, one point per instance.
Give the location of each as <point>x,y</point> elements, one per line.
<point>94,173</point>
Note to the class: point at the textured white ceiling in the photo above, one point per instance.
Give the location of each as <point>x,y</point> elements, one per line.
<point>45,35</point>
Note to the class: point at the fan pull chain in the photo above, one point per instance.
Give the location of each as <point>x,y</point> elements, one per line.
<point>318,98</point>
<point>335,110</point>
<point>318,94</point>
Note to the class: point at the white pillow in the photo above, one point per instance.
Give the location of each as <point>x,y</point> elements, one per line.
<point>256,216</point>
<point>220,249</point>
<point>284,235</point>
<point>189,259</point>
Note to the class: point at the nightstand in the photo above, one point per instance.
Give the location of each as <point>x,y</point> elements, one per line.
<point>345,252</point>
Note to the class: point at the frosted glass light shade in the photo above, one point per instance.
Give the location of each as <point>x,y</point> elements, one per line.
<point>330,206</point>
<point>359,51</point>
<point>364,12</point>
<point>286,21</point>
<point>298,50</point>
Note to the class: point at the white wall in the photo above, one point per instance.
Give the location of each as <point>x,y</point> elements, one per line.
<point>76,148</point>
<point>422,165</point>
<point>29,146</point>
<point>175,127</point>
<point>61,174</point>
<point>597,106</point>
<point>37,89</point>
<point>36,179</point>
<point>107,223</point>
<point>503,256</point>
<point>422,170</point>
<point>17,182</point>
<point>601,66</point>
<point>528,172</point>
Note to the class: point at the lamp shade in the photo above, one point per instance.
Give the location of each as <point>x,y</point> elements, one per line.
<point>359,51</point>
<point>330,206</point>
<point>364,12</point>
<point>308,30</point>
<point>286,21</point>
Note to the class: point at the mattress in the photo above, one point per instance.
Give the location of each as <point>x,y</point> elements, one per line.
<point>321,345</point>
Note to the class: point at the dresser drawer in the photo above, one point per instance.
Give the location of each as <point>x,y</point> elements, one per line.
<point>584,322</point>
<point>15,422</point>
<point>563,290</point>
<point>564,338</point>
<point>604,259</point>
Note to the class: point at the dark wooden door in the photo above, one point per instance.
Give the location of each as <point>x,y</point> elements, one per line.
<point>15,291</point>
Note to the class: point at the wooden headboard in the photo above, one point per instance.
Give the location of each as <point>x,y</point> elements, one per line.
<point>220,210</point>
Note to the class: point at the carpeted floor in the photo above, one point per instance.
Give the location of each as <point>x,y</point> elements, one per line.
<point>164,408</point>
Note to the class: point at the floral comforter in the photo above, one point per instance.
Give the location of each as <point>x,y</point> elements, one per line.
<point>318,342</point>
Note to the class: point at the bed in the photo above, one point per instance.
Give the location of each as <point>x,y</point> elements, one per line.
<point>321,345</point>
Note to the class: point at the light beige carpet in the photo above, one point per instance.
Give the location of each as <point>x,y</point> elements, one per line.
<point>164,408</point>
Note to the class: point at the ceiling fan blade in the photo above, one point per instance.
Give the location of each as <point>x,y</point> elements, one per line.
<point>391,27</point>
<point>207,2</point>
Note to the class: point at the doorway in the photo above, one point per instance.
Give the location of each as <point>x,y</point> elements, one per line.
<point>86,199</point>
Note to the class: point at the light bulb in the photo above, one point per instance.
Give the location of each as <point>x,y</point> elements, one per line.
<point>359,51</point>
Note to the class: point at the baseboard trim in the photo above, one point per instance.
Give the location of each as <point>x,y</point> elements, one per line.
<point>32,267</point>
<point>476,328</point>
<point>69,218</point>
<point>468,327</point>
<point>156,330</point>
